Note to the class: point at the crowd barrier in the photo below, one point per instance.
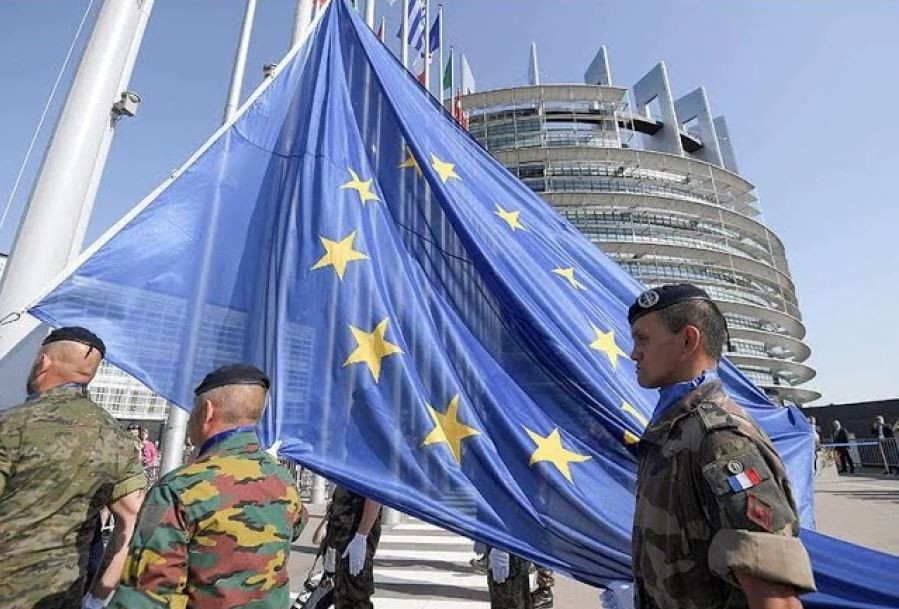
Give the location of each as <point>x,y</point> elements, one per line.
<point>871,452</point>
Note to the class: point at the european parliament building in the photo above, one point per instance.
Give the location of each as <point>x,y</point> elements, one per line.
<point>653,181</point>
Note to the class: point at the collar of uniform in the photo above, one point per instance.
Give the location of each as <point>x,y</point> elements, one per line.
<point>657,433</point>
<point>66,388</point>
<point>239,441</point>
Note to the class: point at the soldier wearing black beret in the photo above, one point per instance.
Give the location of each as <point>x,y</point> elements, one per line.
<point>716,524</point>
<point>62,459</point>
<point>233,509</point>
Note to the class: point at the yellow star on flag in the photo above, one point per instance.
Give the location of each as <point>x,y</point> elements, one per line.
<point>338,254</point>
<point>605,342</point>
<point>411,162</point>
<point>448,429</point>
<point>444,170</point>
<point>568,274</point>
<point>629,408</point>
<point>371,348</point>
<point>511,218</point>
<point>630,438</point>
<point>363,187</point>
<point>550,449</point>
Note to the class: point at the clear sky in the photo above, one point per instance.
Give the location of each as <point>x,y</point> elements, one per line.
<point>808,87</point>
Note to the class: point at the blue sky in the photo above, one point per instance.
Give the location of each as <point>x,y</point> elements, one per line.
<point>807,87</point>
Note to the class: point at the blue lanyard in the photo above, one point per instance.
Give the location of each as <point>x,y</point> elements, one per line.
<point>223,435</point>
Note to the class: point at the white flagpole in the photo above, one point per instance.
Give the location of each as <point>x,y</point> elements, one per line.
<point>452,62</point>
<point>440,50</point>
<point>240,62</point>
<point>404,44</point>
<point>302,19</point>
<point>383,28</point>
<point>427,48</point>
<point>370,14</point>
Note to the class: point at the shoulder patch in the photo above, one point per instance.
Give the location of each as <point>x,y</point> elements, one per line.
<point>713,416</point>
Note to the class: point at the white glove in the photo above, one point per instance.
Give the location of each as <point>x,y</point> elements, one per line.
<point>480,547</point>
<point>330,563</point>
<point>499,565</point>
<point>356,552</point>
<point>273,449</point>
<point>92,602</point>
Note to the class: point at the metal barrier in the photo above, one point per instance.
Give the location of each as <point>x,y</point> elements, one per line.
<point>302,477</point>
<point>870,452</point>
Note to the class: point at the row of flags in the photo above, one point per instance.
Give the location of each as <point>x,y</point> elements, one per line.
<point>422,49</point>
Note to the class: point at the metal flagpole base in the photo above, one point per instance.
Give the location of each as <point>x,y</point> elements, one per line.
<point>173,439</point>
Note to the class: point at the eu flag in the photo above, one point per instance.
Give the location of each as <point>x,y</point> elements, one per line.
<point>437,336</point>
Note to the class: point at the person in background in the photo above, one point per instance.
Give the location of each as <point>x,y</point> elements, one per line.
<point>881,430</point>
<point>844,457</point>
<point>354,530</point>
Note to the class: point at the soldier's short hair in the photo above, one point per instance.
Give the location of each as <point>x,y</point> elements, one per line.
<point>705,316</point>
<point>238,404</point>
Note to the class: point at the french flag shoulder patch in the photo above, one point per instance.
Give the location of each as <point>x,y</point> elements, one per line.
<point>744,480</point>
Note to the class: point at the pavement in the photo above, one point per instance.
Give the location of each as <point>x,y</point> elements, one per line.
<point>420,566</point>
<point>862,508</point>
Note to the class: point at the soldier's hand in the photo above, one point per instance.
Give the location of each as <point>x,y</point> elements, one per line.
<point>356,552</point>
<point>499,565</point>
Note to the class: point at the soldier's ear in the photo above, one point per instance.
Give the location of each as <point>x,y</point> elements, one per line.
<point>692,339</point>
<point>209,411</point>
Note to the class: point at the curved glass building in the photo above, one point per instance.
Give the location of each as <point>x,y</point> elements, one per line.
<point>653,182</point>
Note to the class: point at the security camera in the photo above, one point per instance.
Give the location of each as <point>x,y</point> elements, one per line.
<point>127,104</point>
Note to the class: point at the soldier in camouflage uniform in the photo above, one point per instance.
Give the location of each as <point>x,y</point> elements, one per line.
<point>354,529</point>
<point>716,525</point>
<point>216,533</point>
<point>508,581</point>
<point>62,459</point>
<point>543,595</point>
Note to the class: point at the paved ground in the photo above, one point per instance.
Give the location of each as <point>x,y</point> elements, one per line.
<point>419,566</point>
<point>861,508</point>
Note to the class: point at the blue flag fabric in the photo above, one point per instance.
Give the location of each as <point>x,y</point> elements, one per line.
<point>438,338</point>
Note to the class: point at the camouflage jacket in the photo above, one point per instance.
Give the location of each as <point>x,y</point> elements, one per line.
<point>712,498</point>
<point>215,534</point>
<point>62,458</point>
<point>344,517</point>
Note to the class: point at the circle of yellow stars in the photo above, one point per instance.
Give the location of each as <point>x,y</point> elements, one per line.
<point>373,346</point>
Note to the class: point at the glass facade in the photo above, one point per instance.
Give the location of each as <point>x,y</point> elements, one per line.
<point>664,217</point>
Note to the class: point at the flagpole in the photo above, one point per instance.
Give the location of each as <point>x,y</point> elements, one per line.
<point>175,431</point>
<point>370,14</point>
<point>404,44</point>
<point>62,196</point>
<point>452,69</point>
<point>302,19</point>
<point>427,47</point>
<point>240,62</point>
<point>383,28</point>
<point>440,50</point>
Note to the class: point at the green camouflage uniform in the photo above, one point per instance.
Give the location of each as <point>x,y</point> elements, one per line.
<point>215,534</point>
<point>351,592</point>
<point>62,458</point>
<point>515,592</point>
<point>692,530</point>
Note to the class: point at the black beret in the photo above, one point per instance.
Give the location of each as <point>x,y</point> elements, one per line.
<point>233,374</point>
<point>663,297</point>
<point>78,335</point>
